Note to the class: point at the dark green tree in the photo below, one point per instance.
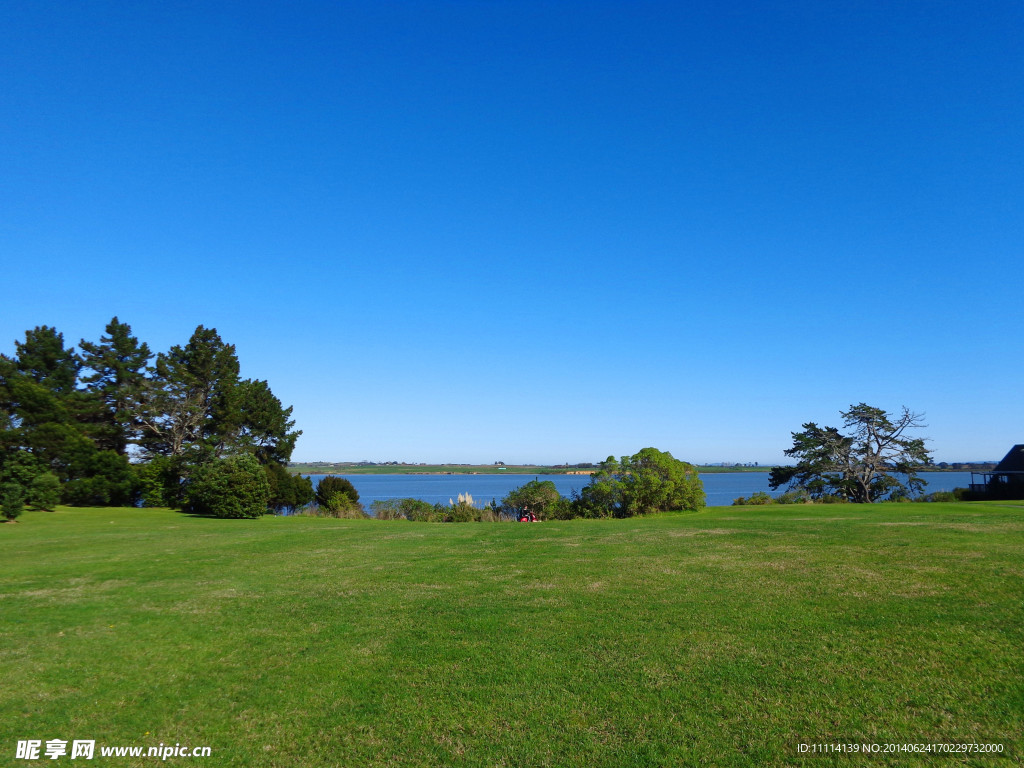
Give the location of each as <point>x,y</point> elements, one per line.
<point>336,494</point>
<point>190,406</point>
<point>44,492</point>
<point>186,410</point>
<point>40,487</point>
<point>12,500</point>
<point>288,492</point>
<point>861,465</point>
<point>41,411</point>
<point>100,479</point>
<point>116,378</point>
<point>158,481</point>
<point>43,358</point>
<point>263,426</point>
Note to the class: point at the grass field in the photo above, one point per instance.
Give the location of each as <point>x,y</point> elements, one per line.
<point>722,638</point>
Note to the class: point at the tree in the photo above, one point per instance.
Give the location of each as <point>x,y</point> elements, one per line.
<point>43,359</point>
<point>537,496</point>
<point>40,488</point>
<point>648,481</point>
<point>288,492</point>
<point>235,487</point>
<point>263,426</point>
<point>655,481</point>
<point>118,364</point>
<point>185,410</point>
<point>44,492</point>
<point>862,464</point>
<point>41,410</point>
<point>190,404</point>
<point>337,494</point>
<point>157,482</point>
<point>12,500</point>
<point>100,479</point>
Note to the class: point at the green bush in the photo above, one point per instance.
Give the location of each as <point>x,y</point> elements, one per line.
<point>156,482</point>
<point>40,488</point>
<point>756,499</point>
<point>344,510</point>
<point>235,487</point>
<point>464,510</point>
<point>419,511</point>
<point>957,494</point>
<point>12,500</point>
<point>537,496</point>
<point>387,509</point>
<point>102,478</point>
<point>44,492</point>
<point>336,494</point>
<point>797,496</point>
<point>560,509</point>
<point>404,509</point>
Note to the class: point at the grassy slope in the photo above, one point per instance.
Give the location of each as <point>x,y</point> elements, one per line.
<point>718,638</point>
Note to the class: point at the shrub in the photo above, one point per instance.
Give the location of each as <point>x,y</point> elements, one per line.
<point>756,499</point>
<point>561,509</point>
<point>797,496</point>
<point>387,509</point>
<point>462,511</point>
<point>40,488</point>
<point>12,500</point>
<point>957,494</point>
<point>235,487</point>
<point>344,511</point>
<point>336,494</point>
<point>44,492</point>
<point>103,478</point>
<point>157,482</point>
<point>415,510</point>
<point>537,496</point>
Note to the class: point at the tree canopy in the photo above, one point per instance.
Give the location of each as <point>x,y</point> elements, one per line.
<point>116,425</point>
<point>648,481</point>
<point>863,464</point>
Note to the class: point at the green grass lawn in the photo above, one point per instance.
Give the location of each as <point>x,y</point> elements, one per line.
<point>722,638</point>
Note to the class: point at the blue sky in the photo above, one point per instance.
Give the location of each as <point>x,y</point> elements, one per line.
<point>521,231</point>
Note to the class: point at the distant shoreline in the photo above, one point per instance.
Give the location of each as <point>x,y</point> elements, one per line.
<point>468,469</point>
<point>344,468</point>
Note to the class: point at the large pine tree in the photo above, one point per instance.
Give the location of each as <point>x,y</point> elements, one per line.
<point>117,365</point>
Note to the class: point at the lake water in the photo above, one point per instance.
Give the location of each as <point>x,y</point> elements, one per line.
<point>721,487</point>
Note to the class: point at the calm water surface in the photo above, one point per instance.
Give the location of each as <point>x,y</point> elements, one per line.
<point>721,487</point>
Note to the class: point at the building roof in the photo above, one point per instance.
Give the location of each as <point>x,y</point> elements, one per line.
<point>1012,462</point>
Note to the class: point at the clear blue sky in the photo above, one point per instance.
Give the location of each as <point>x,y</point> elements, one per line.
<point>521,231</point>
